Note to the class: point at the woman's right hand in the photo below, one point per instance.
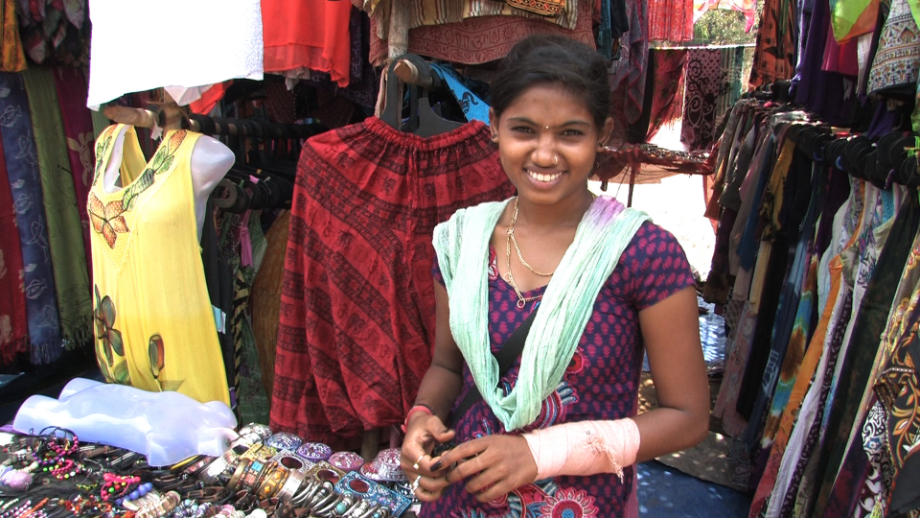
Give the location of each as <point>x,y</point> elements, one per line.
<point>422,434</point>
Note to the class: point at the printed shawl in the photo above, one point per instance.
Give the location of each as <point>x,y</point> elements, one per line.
<point>24,180</point>
<point>68,256</point>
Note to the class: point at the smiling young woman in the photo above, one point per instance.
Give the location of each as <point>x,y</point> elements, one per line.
<point>557,432</point>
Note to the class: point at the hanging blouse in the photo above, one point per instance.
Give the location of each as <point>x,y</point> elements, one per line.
<point>307,35</point>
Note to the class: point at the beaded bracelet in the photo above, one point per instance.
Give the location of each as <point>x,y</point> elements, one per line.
<point>116,486</point>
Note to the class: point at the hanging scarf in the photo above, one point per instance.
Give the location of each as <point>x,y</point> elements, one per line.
<point>12,55</point>
<point>22,172</point>
<point>462,245</point>
<point>70,84</point>
<point>637,73</point>
<point>68,256</point>
<point>14,323</point>
<point>473,107</point>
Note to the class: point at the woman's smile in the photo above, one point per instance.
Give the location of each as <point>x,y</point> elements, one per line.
<point>548,141</point>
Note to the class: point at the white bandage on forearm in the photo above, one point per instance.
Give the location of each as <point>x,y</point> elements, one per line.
<point>584,448</point>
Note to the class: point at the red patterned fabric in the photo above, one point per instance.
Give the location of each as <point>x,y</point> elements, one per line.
<point>357,306</point>
<point>670,20</point>
<point>78,127</point>
<point>14,323</point>
<point>668,83</point>
<point>483,39</point>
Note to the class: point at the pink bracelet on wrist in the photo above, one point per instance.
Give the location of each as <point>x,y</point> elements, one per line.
<point>418,407</point>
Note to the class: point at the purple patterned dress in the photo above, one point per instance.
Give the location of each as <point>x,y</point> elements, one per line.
<point>601,383</point>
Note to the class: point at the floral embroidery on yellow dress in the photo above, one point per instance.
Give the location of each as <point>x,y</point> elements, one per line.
<point>163,336</point>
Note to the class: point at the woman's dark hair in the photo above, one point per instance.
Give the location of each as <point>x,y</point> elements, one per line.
<point>543,59</point>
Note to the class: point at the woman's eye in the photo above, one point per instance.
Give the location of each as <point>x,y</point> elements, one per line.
<point>522,129</point>
<point>572,133</point>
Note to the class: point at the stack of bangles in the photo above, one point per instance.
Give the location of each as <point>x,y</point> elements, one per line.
<point>261,475</point>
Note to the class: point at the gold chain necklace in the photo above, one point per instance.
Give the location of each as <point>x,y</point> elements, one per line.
<point>517,248</point>
<point>509,277</point>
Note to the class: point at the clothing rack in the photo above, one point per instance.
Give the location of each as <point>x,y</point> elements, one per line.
<point>666,46</point>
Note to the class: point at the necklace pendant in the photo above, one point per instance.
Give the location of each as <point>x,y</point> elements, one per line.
<point>521,303</point>
<point>508,278</point>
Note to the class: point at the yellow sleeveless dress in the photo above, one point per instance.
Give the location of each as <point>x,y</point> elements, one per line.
<point>154,321</point>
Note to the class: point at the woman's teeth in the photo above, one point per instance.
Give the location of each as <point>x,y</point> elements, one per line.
<point>544,177</point>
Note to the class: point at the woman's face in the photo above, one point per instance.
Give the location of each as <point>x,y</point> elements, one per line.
<point>547,141</point>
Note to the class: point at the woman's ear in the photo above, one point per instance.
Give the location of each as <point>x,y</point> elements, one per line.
<point>493,124</point>
<point>605,133</point>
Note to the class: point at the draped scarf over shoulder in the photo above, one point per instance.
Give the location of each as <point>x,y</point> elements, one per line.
<point>462,245</point>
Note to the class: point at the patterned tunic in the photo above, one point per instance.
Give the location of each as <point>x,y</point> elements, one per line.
<point>601,382</point>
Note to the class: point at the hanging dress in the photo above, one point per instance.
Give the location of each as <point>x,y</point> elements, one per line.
<point>155,329</point>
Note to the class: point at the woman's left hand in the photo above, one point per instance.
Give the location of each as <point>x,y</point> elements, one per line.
<point>492,466</point>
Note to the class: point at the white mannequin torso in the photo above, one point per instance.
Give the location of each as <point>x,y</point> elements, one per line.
<point>210,162</point>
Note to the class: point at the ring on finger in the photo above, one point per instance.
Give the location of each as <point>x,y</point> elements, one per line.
<point>416,483</point>
<point>415,466</point>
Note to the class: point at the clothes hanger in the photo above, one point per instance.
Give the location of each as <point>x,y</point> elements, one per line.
<point>423,121</point>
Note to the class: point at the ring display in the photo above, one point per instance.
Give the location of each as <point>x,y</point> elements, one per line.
<point>325,472</point>
<point>385,467</point>
<point>260,430</point>
<point>284,441</point>
<point>314,451</point>
<point>357,486</point>
<point>346,461</point>
<point>293,462</point>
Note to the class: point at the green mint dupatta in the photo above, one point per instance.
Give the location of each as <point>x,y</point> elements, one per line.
<point>462,245</point>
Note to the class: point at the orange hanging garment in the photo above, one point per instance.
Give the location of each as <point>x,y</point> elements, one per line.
<point>307,34</point>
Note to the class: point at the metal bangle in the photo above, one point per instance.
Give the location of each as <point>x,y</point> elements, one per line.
<point>313,501</point>
<point>291,486</point>
<point>215,469</point>
<point>315,487</point>
<point>322,502</point>
<point>359,506</point>
<point>241,469</point>
<point>330,505</point>
<point>356,510</point>
<point>371,509</point>
<point>272,482</point>
<point>198,466</point>
<point>301,495</point>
